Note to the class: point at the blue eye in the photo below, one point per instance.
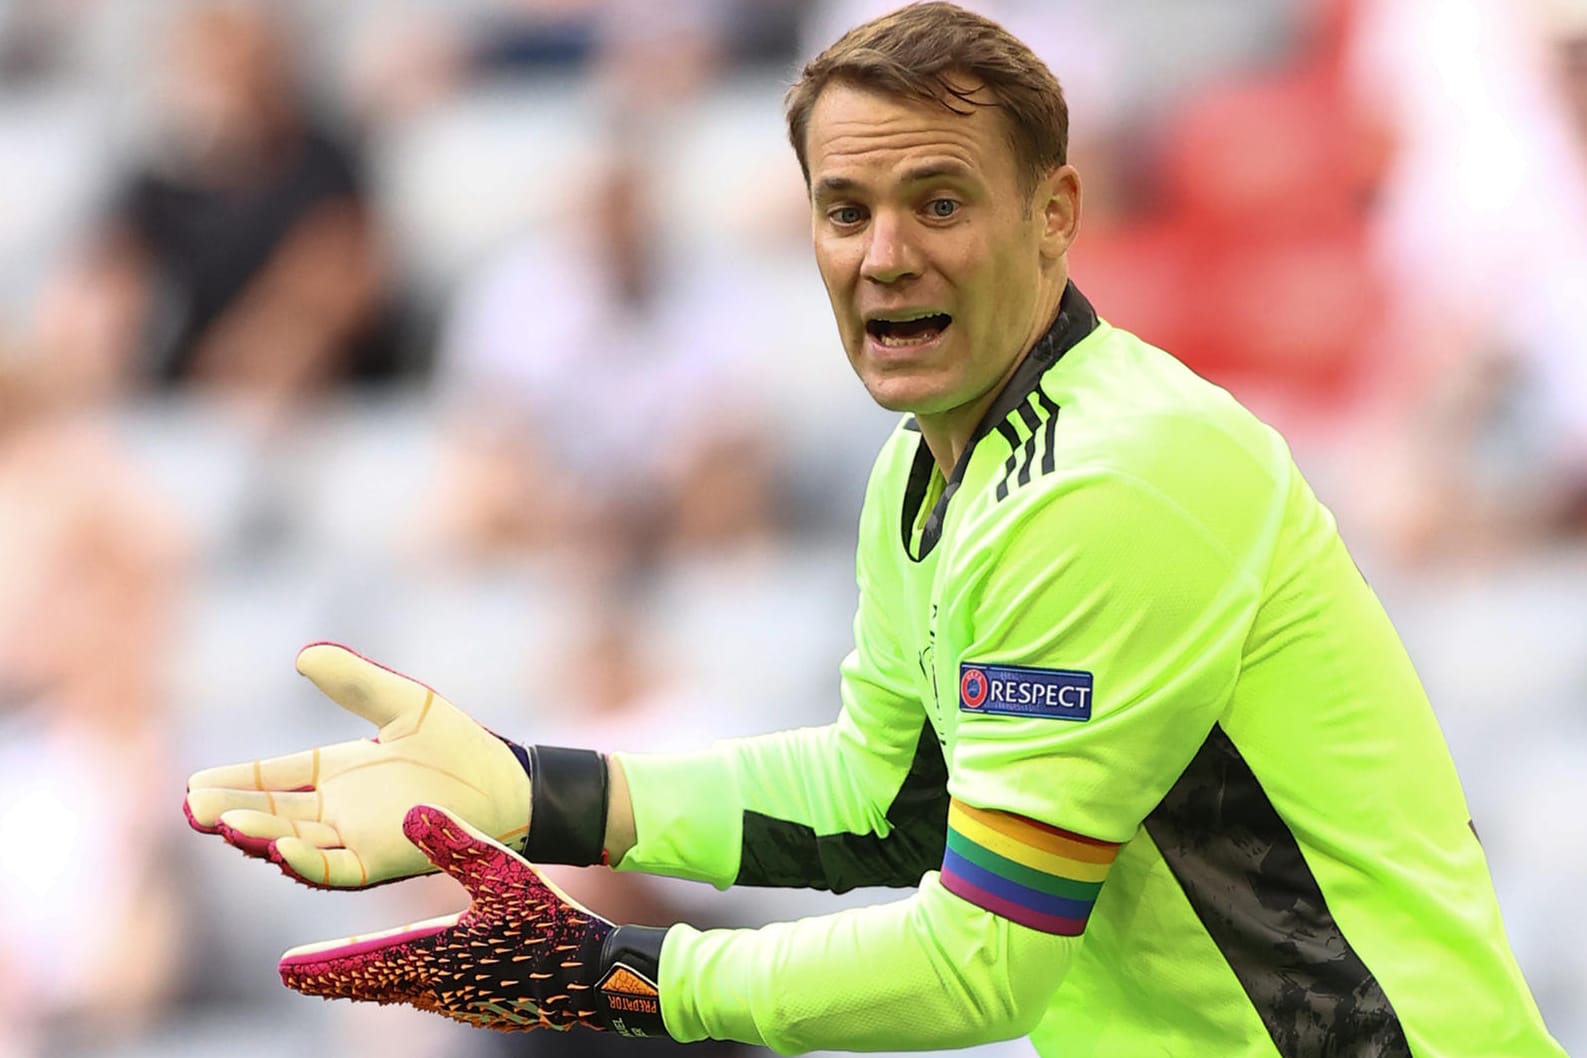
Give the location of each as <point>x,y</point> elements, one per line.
<point>943,208</point>
<point>846,216</point>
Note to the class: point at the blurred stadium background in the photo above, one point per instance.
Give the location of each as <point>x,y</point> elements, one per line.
<point>484,336</point>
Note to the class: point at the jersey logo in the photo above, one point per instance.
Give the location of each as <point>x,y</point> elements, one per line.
<point>1014,690</point>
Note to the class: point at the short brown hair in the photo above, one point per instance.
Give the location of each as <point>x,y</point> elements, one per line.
<point>929,51</point>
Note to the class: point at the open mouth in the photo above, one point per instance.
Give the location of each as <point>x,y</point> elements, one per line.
<point>897,334</point>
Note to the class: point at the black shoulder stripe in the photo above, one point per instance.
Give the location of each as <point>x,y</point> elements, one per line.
<point>1033,424</point>
<point>1049,457</point>
<point>1010,435</point>
<point>1041,433</point>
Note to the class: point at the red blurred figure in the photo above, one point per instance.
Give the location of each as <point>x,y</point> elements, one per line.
<point>1252,264</point>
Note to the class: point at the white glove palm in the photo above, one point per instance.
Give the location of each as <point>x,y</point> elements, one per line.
<point>332,816</point>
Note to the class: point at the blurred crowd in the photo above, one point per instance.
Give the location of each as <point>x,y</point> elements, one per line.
<point>484,336</point>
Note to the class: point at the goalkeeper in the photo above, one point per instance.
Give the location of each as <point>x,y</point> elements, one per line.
<point>1120,712</point>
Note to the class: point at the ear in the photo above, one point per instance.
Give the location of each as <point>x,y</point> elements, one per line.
<point>1057,202</point>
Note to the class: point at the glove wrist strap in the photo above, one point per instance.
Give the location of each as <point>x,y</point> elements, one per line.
<point>568,800</point>
<point>629,987</point>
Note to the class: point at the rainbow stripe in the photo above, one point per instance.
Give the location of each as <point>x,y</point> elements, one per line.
<point>1028,872</point>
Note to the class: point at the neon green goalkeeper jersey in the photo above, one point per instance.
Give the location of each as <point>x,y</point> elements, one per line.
<point>1123,713</point>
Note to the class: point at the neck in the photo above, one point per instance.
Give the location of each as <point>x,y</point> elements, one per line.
<point>947,434</point>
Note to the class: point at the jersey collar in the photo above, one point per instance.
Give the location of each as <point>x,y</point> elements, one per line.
<point>1075,320</point>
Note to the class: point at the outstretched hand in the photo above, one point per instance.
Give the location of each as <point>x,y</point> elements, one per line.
<point>332,817</point>
<point>523,956</point>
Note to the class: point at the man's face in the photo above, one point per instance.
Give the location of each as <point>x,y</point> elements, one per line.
<point>935,258</point>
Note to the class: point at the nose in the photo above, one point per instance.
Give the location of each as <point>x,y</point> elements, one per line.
<point>890,254</point>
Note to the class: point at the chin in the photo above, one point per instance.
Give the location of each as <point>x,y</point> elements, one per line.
<point>914,395</point>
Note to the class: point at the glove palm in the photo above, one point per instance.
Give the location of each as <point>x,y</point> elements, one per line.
<point>523,956</point>
<point>332,816</point>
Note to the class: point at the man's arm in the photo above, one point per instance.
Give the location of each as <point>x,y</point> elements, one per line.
<point>1080,582</point>
<point>620,833</point>
<point>290,327</point>
<point>928,972</point>
<point>859,802</point>
<point>775,851</point>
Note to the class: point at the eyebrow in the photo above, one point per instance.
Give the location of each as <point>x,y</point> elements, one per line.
<point>834,185</point>
<point>937,171</point>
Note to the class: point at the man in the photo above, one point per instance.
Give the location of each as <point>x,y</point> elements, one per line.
<point>242,256</point>
<point>1120,706</point>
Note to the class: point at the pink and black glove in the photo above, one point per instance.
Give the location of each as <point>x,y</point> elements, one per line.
<point>523,956</point>
<point>332,817</point>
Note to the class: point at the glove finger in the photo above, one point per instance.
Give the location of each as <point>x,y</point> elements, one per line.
<point>386,967</point>
<point>253,831</point>
<point>319,867</point>
<point>295,771</point>
<point>483,865</point>
<point>303,770</point>
<point>493,874</point>
<point>367,688</point>
<point>205,806</point>
<point>209,824</point>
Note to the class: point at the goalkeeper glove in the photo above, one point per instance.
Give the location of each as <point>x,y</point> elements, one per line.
<point>331,817</point>
<point>523,956</point>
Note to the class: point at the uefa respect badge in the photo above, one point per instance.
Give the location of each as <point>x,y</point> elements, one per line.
<point>1015,690</point>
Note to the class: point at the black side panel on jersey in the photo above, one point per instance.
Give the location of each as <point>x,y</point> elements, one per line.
<point>792,855</point>
<point>1242,869</point>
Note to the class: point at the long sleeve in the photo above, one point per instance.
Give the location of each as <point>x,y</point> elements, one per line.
<point>861,801</point>
<point>928,972</point>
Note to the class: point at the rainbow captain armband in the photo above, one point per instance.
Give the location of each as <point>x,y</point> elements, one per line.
<point>1027,872</point>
